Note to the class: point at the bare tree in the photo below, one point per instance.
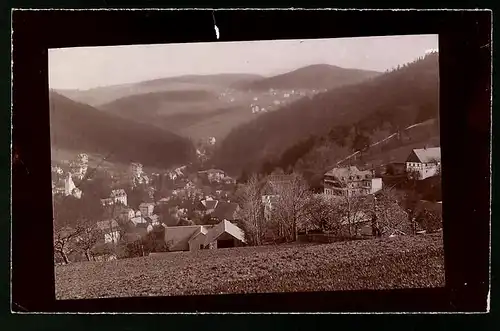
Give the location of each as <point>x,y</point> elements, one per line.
<point>88,236</point>
<point>64,240</point>
<point>390,215</point>
<point>251,212</point>
<point>410,202</point>
<point>430,220</point>
<point>322,213</point>
<point>290,211</point>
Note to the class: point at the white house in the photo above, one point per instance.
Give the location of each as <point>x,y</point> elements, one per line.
<point>192,238</point>
<point>119,196</point>
<point>351,181</point>
<point>110,229</point>
<point>424,162</point>
<point>70,187</point>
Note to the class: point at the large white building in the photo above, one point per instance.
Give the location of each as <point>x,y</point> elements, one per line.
<point>424,162</point>
<point>119,196</point>
<point>351,181</point>
<point>70,187</point>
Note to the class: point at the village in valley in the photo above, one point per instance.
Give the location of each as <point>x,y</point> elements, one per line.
<point>188,208</point>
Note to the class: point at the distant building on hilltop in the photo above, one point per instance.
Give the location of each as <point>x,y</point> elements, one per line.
<point>351,181</point>
<point>424,162</point>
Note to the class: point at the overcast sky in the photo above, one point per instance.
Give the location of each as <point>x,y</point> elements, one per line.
<point>87,67</point>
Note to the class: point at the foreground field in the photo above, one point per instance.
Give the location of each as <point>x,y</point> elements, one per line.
<point>370,264</point>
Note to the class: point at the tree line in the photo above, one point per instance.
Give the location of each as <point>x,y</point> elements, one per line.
<point>296,209</point>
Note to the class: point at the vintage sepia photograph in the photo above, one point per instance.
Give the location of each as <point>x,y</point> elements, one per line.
<point>246,167</point>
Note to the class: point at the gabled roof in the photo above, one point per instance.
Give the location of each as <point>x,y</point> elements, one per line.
<point>201,230</point>
<point>426,155</point>
<point>343,173</point>
<point>224,227</point>
<point>210,204</point>
<point>180,235</point>
<point>225,210</point>
<point>118,193</point>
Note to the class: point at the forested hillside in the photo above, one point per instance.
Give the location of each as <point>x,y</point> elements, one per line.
<point>79,127</point>
<point>339,121</point>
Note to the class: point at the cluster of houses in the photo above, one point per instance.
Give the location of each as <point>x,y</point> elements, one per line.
<point>77,169</point>
<point>222,233</point>
<point>421,164</point>
<point>274,99</point>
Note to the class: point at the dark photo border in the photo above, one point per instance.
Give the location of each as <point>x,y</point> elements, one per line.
<point>465,88</point>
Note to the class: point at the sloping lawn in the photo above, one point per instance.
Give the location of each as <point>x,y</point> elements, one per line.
<point>399,262</point>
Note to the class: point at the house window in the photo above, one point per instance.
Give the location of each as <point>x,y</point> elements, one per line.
<point>201,246</point>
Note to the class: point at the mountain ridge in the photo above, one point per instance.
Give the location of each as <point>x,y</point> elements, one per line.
<point>315,76</point>
<point>100,95</point>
